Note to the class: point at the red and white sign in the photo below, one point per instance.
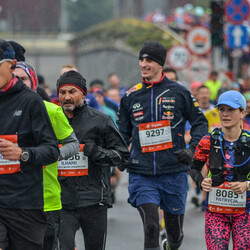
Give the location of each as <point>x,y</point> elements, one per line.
<point>178,57</point>
<point>199,70</point>
<point>238,11</point>
<point>199,40</point>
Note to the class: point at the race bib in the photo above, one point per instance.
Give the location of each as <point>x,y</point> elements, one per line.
<point>222,199</point>
<point>76,165</point>
<point>155,136</point>
<point>6,166</point>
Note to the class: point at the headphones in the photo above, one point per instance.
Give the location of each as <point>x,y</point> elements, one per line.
<point>13,66</point>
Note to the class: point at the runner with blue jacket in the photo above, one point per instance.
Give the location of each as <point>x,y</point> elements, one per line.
<point>152,117</point>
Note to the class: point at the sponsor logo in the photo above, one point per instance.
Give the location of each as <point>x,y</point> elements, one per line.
<point>139,118</point>
<point>135,88</point>
<point>167,117</point>
<point>136,106</point>
<point>196,104</point>
<point>176,209</point>
<point>17,113</point>
<point>167,106</point>
<point>138,113</point>
<point>168,100</point>
<point>168,113</point>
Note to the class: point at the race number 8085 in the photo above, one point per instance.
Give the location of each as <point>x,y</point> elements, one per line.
<point>224,193</point>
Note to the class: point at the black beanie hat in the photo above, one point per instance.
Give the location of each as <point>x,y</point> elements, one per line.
<point>72,78</point>
<point>19,51</point>
<point>6,51</point>
<point>154,51</point>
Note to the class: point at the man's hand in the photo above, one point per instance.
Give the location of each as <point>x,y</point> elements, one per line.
<point>206,184</point>
<point>238,187</point>
<point>90,148</point>
<point>9,150</point>
<point>185,155</point>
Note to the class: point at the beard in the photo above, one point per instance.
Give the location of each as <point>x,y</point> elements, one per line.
<point>72,107</point>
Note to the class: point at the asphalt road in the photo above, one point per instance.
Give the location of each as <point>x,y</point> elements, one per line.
<point>125,231</point>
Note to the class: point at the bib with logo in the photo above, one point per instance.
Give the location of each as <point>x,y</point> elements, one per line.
<point>76,165</point>
<point>155,136</point>
<point>222,199</point>
<point>7,166</point>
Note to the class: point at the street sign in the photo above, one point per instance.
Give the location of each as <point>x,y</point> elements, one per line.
<point>199,41</point>
<point>178,57</point>
<point>237,11</point>
<point>237,36</point>
<point>199,70</point>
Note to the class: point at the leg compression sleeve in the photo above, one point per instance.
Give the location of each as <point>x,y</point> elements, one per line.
<point>150,218</point>
<point>174,225</point>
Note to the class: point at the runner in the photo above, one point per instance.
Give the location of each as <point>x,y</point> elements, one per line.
<point>153,113</point>
<point>27,143</point>
<point>86,187</point>
<point>70,146</point>
<point>226,152</point>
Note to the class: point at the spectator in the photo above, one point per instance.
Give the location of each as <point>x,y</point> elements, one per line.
<point>213,85</point>
<point>170,74</point>
<point>114,95</point>
<point>114,82</point>
<point>203,98</point>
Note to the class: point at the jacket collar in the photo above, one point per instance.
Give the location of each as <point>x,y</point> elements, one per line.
<point>151,84</point>
<point>15,85</point>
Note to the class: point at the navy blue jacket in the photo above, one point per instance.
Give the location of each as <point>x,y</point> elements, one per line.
<point>163,100</point>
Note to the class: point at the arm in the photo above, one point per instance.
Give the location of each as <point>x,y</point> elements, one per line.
<point>195,172</point>
<point>123,121</point>
<point>70,146</point>
<point>115,152</point>
<point>64,133</point>
<point>45,148</point>
<point>200,158</point>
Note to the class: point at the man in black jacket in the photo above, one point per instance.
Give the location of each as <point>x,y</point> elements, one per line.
<point>86,185</point>
<point>27,143</point>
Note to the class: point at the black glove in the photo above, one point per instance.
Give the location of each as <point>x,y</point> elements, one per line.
<point>90,148</point>
<point>185,155</point>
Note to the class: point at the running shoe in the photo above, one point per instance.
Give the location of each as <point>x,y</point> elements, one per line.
<point>195,201</point>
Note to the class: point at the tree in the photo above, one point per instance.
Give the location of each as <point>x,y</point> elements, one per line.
<point>84,13</point>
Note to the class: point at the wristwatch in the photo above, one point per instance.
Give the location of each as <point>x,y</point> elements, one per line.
<point>248,185</point>
<point>25,156</point>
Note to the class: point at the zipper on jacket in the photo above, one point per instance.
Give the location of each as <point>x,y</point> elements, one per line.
<point>152,119</point>
<point>103,186</point>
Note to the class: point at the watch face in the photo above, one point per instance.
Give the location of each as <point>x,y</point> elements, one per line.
<point>24,156</point>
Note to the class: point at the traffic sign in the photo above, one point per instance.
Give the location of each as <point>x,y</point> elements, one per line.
<point>198,40</point>
<point>199,70</point>
<point>237,36</point>
<point>178,57</point>
<point>237,11</point>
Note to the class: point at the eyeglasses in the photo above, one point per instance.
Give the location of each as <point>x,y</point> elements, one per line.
<point>6,60</point>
